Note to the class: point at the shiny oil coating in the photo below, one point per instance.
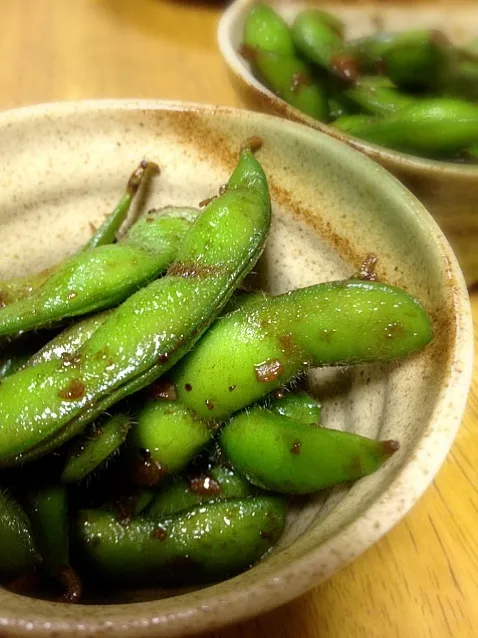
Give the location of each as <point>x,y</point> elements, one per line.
<point>100,277</point>
<point>205,543</point>
<point>183,492</point>
<point>152,329</point>
<point>282,454</point>
<point>250,352</point>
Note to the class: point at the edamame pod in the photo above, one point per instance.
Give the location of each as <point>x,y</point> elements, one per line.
<point>65,344</point>
<point>292,80</point>
<point>12,364</point>
<point>321,44</point>
<point>265,29</point>
<point>150,331</point>
<point>251,352</point>
<point>431,127</point>
<point>18,553</point>
<point>49,516</point>
<point>101,277</point>
<point>183,492</point>
<point>206,543</point>
<point>278,453</point>
<point>378,100</point>
<point>164,439</point>
<point>416,59</point>
<point>94,447</point>
<point>20,287</point>
<point>295,405</point>
<point>463,81</point>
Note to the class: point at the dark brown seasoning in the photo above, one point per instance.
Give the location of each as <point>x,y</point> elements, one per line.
<point>74,390</point>
<point>253,143</point>
<point>209,404</point>
<point>286,342</point>
<point>265,534</point>
<point>268,371</point>
<point>69,578</point>
<point>163,389</point>
<point>345,66</point>
<point>188,387</point>
<point>232,388</point>
<point>204,484</point>
<point>70,359</point>
<point>390,447</point>
<point>135,179</point>
<point>159,534</point>
<point>205,202</point>
<point>367,269</point>
<point>299,80</point>
<point>295,449</point>
<point>180,269</point>
<point>247,52</point>
<point>146,472</point>
<point>278,394</point>
<point>93,228</point>
<point>163,358</point>
<point>25,584</point>
<point>223,188</point>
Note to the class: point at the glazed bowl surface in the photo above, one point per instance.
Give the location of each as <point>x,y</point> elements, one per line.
<point>63,166</point>
<point>448,190</point>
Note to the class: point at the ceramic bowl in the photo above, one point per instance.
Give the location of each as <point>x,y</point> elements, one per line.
<point>63,166</point>
<point>449,191</point>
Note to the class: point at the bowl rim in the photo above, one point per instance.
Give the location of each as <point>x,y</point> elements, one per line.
<point>393,158</point>
<point>293,579</point>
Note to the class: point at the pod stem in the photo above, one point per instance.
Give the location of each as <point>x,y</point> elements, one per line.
<point>106,233</point>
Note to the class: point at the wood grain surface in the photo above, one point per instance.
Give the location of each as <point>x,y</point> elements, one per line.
<point>421,579</point>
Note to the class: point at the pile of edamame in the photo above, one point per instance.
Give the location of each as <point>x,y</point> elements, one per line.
<point>410,91</point>
<point>149,431</point>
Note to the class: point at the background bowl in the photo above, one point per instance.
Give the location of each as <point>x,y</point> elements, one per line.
<point>63,166</point>
<point>449,191</point>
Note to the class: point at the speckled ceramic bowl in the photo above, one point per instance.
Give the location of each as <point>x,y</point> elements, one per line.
<point>63,166</point>
<point>449,191</point>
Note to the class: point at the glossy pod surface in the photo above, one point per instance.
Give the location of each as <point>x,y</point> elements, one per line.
<point>278,453</point>
<point>205,543</point>
<point>151,330</point>
<point>250,352</point>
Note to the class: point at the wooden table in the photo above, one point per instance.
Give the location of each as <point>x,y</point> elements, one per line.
<point>421,579</point>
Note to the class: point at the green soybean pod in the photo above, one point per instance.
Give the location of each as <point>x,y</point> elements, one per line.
<point>319,42</point>
<point>164,439</point>
<point>251,352</point>
<point>95,446</point>
<point>13,363</point>
<point>432,127</point>
<point>99,278</point>
<point>282,454</point>
<point>42,406</point>
<point>210,542</point>
<point>265,29</point>
<point>19,287</point>
<point>49,515</point>
<point>292,80</point>
<point>462,82</point>
<point>18,552</point>
<point>183,492</point>
<point>378,100</point>
<point>296,405</point>
<point>417,59</point>
<point>68,341</point>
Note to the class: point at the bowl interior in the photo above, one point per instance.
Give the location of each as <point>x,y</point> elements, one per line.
<point>63,168</point>
<point>457,19</point>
